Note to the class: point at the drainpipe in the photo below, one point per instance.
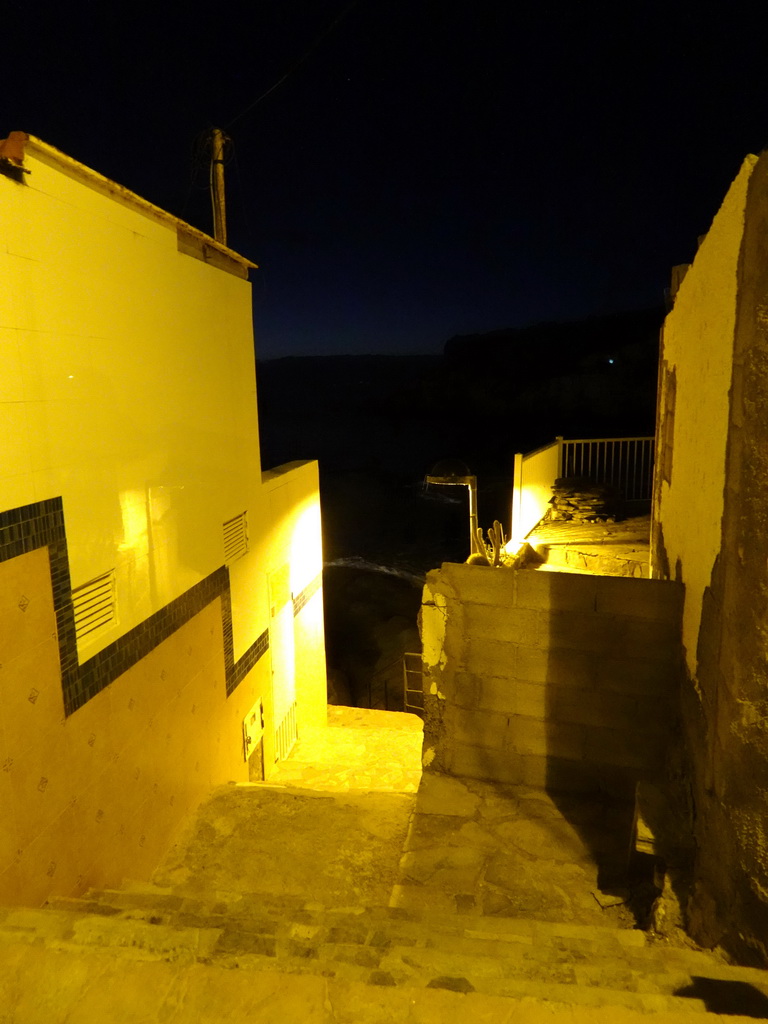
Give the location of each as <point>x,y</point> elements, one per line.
<point>466,480</point>
<point>472,485</point>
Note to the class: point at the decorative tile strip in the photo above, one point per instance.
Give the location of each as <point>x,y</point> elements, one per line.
<point>41,524</point>
<point>129,649</point>
<point>244,664</point>
<point>308,592</point>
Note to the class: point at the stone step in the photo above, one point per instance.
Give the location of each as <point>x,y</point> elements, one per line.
<point>267,913</point>
<point>405,924</point>
<point>136,940</point>
<point>84,985</point>
<point>502,956</point>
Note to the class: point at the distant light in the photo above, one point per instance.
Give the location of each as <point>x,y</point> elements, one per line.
<point>611,362</point>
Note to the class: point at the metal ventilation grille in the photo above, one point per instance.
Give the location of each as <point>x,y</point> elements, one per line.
<point>286,734</point>
<point>235,538</point>
<point>94,604</point>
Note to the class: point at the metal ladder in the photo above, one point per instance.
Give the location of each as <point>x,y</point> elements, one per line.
<point>413,687</point>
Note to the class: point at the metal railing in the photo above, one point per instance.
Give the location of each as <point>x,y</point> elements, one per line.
<point>623,462</point>
<point>413,687</point>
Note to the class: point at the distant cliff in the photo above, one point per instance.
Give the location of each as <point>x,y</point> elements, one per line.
<point>591,377</point>
<point>488,396</point>
<point>559,348</point>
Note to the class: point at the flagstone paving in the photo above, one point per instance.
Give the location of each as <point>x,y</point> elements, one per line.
<point>373,751</point>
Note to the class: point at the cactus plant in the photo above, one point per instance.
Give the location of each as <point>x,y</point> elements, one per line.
<point>489,553</point>
<point>498,540</point>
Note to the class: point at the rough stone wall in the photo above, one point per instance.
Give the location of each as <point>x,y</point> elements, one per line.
<point>725,690</point>
<point>696,366</point>
<point>733,671</point>
<point>550,679</point>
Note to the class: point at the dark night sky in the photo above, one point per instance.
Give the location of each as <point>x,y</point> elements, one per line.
<point>430,169</point>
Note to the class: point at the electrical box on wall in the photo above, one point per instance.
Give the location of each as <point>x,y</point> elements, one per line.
<point>253,728</point>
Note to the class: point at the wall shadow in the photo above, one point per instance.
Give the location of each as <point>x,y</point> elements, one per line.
<point>610,680</point>
<point>370,622</point>
<point>727,997</point>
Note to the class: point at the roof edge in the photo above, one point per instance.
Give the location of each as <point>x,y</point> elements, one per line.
<point>107,185</point>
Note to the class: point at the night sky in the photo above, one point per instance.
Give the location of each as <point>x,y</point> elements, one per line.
<point>425,169</point>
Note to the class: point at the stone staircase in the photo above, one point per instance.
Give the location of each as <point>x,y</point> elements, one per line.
<point>463,902</point>
<point>386,957</point>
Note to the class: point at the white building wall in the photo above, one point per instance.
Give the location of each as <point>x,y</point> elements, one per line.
<point>128,388</point>
<point>130,435</point>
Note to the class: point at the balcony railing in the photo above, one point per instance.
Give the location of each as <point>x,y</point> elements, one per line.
<point>624,462</point>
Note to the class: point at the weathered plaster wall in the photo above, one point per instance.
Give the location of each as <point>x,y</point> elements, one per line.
<point>550,679</point>
<point>697,347</point>
<point>715,538</point>
<point>739,679</point>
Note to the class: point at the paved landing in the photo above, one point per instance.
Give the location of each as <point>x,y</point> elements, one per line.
<point>340,848</point>
<point>607,549</point>
<point>456,846</point>
<point>361,749</point>
<point>476,847</point>
<point>483,849</point>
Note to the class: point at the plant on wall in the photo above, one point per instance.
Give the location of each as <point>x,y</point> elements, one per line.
<point>491,553</point>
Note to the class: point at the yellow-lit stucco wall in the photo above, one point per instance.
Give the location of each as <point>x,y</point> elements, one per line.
<point>698,346</point>
<point>129,392</point>
<point>128,387</point>
<point>534,475</point>
<point>295,540</point>
<point>95,797</point>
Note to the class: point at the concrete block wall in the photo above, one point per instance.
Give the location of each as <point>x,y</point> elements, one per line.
<point>550,679</point>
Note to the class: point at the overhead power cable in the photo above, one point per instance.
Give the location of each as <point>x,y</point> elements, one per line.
<point>294,67</point>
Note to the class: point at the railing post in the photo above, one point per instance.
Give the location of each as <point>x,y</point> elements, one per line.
<point>559,440</point>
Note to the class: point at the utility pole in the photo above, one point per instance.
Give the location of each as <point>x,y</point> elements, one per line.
<point>218,140</point>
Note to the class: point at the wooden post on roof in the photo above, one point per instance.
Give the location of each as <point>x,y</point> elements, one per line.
<point>218,201</point>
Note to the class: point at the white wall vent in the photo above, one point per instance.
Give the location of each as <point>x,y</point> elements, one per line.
<point>235,538</point>
<point>286,734</point>
<point>94,604</point>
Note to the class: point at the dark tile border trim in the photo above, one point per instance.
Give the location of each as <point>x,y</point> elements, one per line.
<point>137,643</point>
<point>309,591</point>
<point>40,525</point>
<point>245,663</point>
